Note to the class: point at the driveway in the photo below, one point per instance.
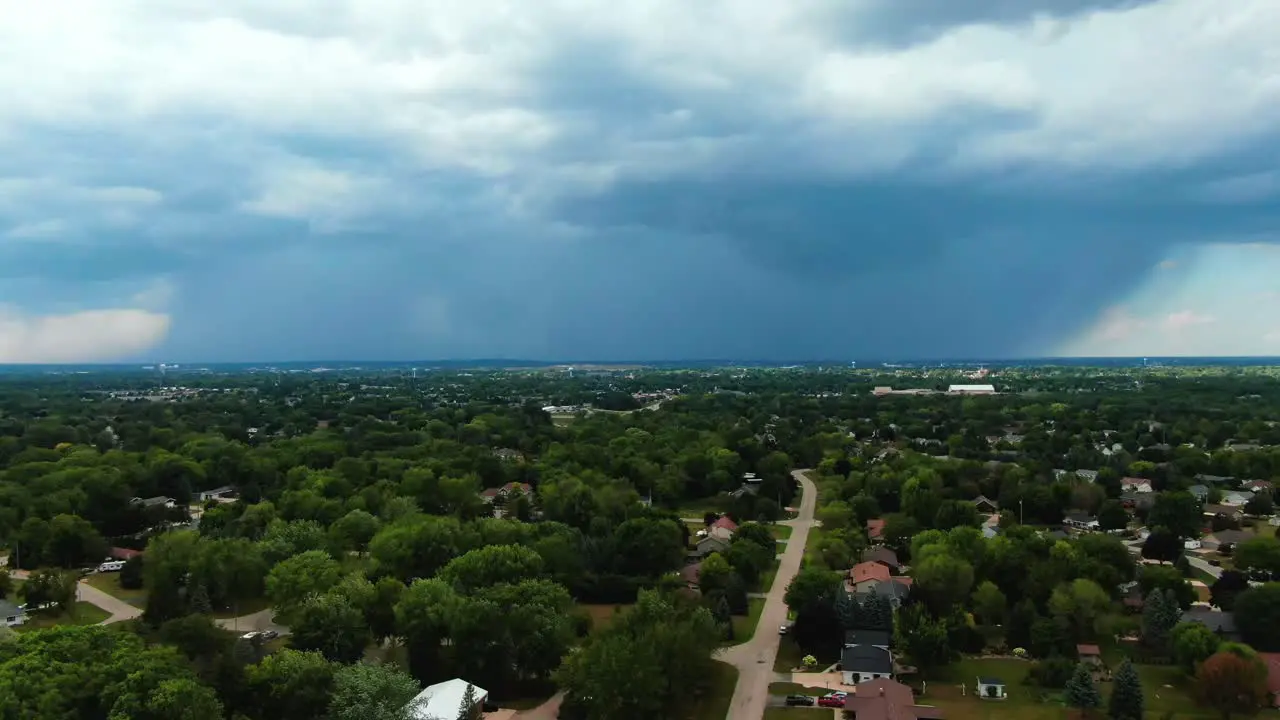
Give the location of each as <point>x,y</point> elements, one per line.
<point>754,658</point>
<point>1201,564</point>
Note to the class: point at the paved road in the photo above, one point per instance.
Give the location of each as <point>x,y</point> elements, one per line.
<point>119,609</point>
<point>754,658</point>
<point>259,621</point>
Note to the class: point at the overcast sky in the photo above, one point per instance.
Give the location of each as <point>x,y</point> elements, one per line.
<point>185,180</point>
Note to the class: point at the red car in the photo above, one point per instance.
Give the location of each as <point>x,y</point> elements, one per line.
<point>831,701</point>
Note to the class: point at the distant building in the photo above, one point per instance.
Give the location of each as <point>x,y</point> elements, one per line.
<point>971,390</point>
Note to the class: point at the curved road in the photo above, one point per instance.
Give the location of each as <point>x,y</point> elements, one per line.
<point>754,658</point>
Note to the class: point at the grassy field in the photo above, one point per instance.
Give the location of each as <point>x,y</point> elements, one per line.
<point>81,613</point>
<point>714,703</point>
<point>744,626</point>
<point>790,655</point>
<point>766,578</point>
<point>602,615</point>
<point>781,532</point>
<point>109,583</point>
<point>1162,685</point>
<point>793,713</point>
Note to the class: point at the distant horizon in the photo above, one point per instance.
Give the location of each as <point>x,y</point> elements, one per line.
<point>859,364</point>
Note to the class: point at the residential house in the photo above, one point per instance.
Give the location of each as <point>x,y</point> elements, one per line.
<point>991,688</point>
<point>726,523</point>
<point>884,556</point>
<point>219,493</point>
<point>1089,476</point>
<point>707,545</point>
<point>158,501</point>
<point>984,504</point>
<point>872,578</point>
<point>860,663</point>
<point>1191,544</point>
<point>11,615</point>
<point>1236,498</point>
<point>1201,492</point>
<point>1136,485</point>
<point>1132,500</point>
<point>510,491</point>
<point>874,638</point>
<point>1256,486</point>
<point>1090,654</point>
<point>875,530</point>
<point>1228,511</point>
<point>886,699</point>
<point>443,700</point>
<point>1223,538</point>
<point>1081,521</point>
<point>1223,623</point>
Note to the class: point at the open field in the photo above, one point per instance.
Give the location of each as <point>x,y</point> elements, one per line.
<point>602,614</point>
<point>794,713</point>
<point>1162,684</point>
<point>780,532</point>
<point>81,613</point>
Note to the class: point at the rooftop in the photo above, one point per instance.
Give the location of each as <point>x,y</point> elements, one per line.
<point>443,700</point>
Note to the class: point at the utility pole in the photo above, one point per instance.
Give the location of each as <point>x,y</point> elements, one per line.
<point>1020,515</point>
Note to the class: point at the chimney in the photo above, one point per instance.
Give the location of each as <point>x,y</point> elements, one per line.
<point>881,691</point>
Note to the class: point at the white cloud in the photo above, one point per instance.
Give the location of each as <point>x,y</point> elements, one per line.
<point>89,336</point>
<point>461,86</point>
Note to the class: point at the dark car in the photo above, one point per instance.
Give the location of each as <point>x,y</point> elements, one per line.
<point>831,701</point>
<point>804,700</point>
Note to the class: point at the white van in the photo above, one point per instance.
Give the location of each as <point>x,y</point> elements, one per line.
<point>111,566</point>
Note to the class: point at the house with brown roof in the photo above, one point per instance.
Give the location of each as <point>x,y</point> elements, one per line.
<point>984,504</point>
<point>872,578</point>
<point>119,553</point>
<point>725,522</point>
<point>884,556</point>
<point>691,574</point>
<point>886,699</point>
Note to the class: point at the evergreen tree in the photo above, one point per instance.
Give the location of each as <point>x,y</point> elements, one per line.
<point>469,709</point>
<point>879,611</point>
<point>1160,614</point>
<point>1127,701</point>
<point>847,609</point>
<point>200,600</point>
<point>1081,692</point>
<point>720,611</point>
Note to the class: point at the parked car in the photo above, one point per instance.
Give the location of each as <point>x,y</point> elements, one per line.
<point>111,566</point>
<point>831,701</point>
<point>269,634</point>
<point>783,629</point>
<point>251,636</point>
<point>805,700</point>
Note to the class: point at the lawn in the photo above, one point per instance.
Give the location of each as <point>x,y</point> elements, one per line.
<point>602,614</point>
<point>790,656</point>
<point>81,613</point>
<point>713,704</point>
<point>1024,702</point>
<point>781,532</point>
<point>744,626</point>
<point>793,713</point>
<point>109,583</point>
<point>766,578</point>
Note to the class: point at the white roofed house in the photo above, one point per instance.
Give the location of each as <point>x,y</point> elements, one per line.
<point>443,701</point>
<point>971,390</point>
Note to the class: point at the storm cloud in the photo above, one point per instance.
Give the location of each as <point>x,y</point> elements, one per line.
<point>644,180</point>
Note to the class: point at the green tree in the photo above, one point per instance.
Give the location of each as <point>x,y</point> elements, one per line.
<point>989,604</point>
<point>6,584</point>
<point>290,582</point>
<point>945,579</point>
<point>924,638</point>
<point>330,625</point>
<point>1192,643</point>
<point>1081,692</point>
<point>469,709</point>
<point>290,685</point>
<point>176,699</point>
<point>1258,553</point>
<point>1127,700</point>
<point>491,565</point>
<point>1178,512</point>
<point>372,692</point>
<point>1257,614</point>
<point>1112,516</point>
<point>354,530</point>
<point>714,573</point>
